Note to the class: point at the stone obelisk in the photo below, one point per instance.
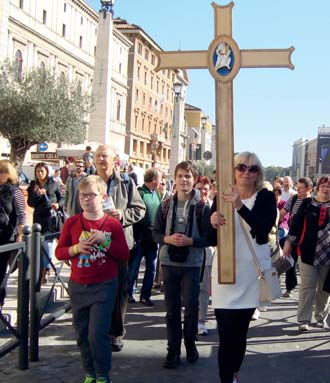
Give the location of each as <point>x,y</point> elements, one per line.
<point>99,122</point>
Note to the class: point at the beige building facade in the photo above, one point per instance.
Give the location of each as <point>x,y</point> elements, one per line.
<point>150,102</point>
<point>62,34</point>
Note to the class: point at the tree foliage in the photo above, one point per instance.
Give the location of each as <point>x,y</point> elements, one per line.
<point>272,171</point>
<point>203,168</point>
<point>41,107</point>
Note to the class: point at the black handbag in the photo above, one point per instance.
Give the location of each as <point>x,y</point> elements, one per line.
<point>178,254</point>
<point>57,220</point>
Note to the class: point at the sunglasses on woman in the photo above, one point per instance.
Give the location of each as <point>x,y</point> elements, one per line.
<point>242,168</point>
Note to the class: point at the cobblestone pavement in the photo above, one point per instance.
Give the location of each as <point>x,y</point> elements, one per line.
<point>276,352</point>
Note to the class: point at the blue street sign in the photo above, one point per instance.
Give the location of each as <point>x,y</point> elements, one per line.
<point>42,147</point>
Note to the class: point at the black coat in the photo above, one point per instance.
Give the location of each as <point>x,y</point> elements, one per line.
<point>261,218</point>
<point>42,204</point>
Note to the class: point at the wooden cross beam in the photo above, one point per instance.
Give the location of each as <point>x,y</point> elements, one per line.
<point>224,60</point>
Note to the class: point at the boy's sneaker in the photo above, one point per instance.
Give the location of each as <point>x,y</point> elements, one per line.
<point>102,379</point>
<point>172,359</point>
<point>89,379</point>
<point>192,354</point>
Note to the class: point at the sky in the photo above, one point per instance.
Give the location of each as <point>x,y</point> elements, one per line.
<point>273,107</point>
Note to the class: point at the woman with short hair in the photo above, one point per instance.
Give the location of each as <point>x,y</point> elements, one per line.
<point>235,303</point>
<point>310,232</point>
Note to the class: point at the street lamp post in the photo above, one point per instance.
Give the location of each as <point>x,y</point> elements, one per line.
<point>107,6</point>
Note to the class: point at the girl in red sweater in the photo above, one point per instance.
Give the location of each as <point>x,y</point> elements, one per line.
<point>94,243</point>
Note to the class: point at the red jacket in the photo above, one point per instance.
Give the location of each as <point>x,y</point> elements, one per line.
<point>101,264</point>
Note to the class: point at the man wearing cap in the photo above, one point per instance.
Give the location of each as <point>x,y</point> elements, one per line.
<point>89,166</point>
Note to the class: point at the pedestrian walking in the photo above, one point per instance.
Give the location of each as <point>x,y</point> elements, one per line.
<point>235,303</point>
<point>94,243</point>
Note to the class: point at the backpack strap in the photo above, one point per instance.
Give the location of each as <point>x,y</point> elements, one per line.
<point>293,202</point>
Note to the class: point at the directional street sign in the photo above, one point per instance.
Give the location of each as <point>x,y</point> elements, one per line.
<point>42,147</point>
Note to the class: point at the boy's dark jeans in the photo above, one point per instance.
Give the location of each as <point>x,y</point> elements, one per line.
<point>92,307</point>
<point>181,283</point>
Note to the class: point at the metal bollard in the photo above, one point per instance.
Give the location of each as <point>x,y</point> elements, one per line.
<point>23,301</point>
<point>35,292</point>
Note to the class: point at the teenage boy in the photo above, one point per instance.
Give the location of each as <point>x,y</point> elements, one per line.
<point>95,244</point>
<point>181,227</point>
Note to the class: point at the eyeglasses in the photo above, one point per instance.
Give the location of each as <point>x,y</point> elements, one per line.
<point>242,168</point>
<point>88,195</point>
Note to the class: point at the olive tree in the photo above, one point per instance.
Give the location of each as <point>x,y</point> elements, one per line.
<point>40,106</point>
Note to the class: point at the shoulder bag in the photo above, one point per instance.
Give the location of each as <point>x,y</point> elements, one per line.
<point>270,288</point>
<point>281,262</point>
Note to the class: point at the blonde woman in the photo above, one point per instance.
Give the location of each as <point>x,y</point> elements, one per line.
<point>235,304</point>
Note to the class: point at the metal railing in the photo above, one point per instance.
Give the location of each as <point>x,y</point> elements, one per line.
<point>30,322</point>
<point>21,332</point>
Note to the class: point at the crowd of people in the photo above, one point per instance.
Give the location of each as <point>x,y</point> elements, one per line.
<point>113,224</point>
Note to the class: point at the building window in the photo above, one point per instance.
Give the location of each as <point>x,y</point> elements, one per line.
<point>63,30</point>
<point>94,51</point>
<point>137,96</point>
<point>44,16</point>
<point>64,7</point>
<point>152,60</point>
<point>81,20</point>
<point>151,82</point>
<point>120,68</point>
<point>80,41</point>
<point>156,106</point>
<point>138,72</point>
<point>140,49</point>
<point>118,113</point>
<point>145,77</point>
<point>146,54</point>
<point>144,99</point>
<point>42,65</point>
<point>19,66</point>
<point>21,4</point>
<point>150,103</point>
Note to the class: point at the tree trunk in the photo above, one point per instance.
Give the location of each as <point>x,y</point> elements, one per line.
<point>18,149</point>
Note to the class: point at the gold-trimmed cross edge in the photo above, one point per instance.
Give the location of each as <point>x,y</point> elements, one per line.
<point>224,69</point>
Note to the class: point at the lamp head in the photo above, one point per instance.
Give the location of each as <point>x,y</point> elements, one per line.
<point>204,121</point>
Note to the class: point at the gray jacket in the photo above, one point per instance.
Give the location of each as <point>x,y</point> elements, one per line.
<point>71,200</point>
<point>163,225</point>
<point>126,198</point>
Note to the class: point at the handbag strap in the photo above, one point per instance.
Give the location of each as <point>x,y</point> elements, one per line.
<point>254,256</point>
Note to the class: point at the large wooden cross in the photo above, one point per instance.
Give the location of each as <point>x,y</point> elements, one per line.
<point>224,60</point>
